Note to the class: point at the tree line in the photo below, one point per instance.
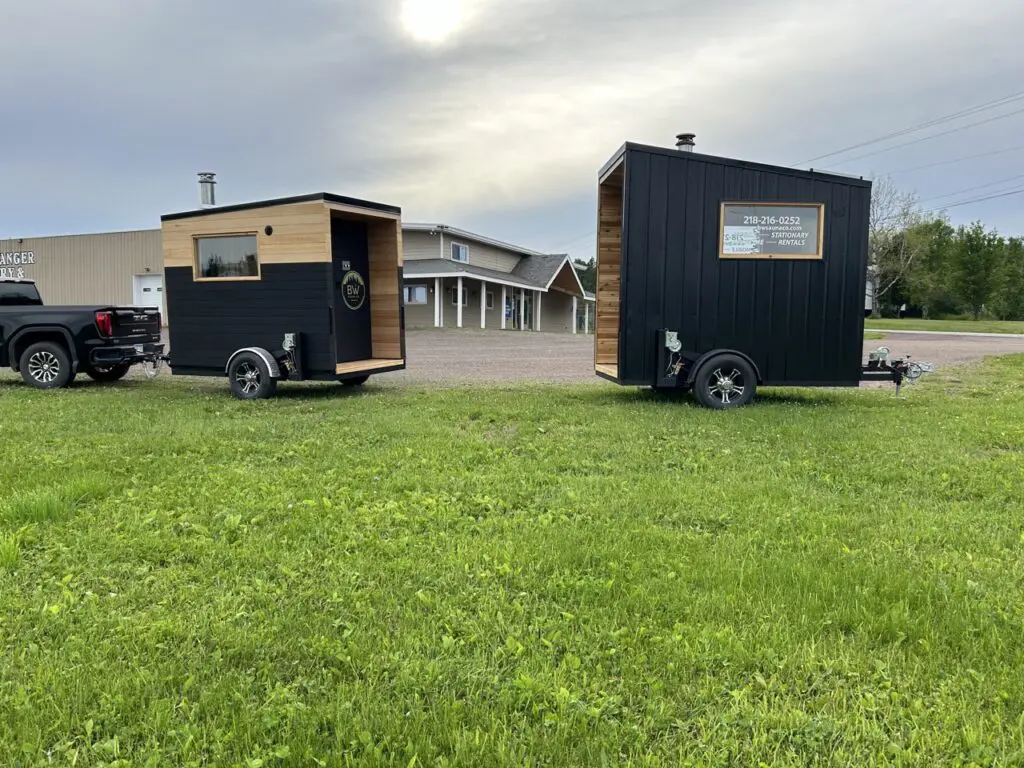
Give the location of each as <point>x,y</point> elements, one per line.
<point>919,260</point>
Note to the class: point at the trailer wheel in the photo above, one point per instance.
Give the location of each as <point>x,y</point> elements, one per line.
<point>725,381</point>
<point>46,365</point>
<point>250,378</point>
<point>355,381</point>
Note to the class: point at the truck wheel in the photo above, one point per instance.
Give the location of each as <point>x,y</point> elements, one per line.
<point>46,365</point>
<point>725,381</point>
<point>250,378</point>
<point>356,381</point>
<point>106,373</point>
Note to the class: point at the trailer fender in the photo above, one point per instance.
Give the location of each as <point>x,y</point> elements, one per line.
<point>692,374</point>
<point>272,366</point>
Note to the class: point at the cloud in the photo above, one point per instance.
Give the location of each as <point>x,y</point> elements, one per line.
<point>475,112</point>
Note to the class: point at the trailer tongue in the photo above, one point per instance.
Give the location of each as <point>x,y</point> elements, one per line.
<point>878,368</point>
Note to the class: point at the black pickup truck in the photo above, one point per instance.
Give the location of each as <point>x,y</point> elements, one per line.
<point>49,346</point>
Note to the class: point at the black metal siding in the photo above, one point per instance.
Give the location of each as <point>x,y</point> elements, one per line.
<point>213,319</point>
<point>801,321</point>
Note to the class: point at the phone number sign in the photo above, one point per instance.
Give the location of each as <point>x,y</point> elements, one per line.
<point>771,230</point>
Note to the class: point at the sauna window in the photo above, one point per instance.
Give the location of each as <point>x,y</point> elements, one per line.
<point>227,257</point>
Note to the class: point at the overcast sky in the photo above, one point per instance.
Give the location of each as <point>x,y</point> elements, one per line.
<point>491,115</point>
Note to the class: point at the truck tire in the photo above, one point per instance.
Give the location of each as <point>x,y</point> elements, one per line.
<point>105,373</point>
<point>725,381</point>
<point>46,365</point>
<point>250,378</point>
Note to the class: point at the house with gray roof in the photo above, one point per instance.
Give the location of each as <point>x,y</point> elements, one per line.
<point>458,279</point>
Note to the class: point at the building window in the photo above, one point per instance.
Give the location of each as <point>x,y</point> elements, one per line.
<point>490,299</point>
<point>455,296</point>
<point>231,257</point>
<point>415,294</point>
<point>460,253</point>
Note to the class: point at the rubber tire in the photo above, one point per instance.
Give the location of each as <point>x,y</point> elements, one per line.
<point>112,373</point>
<point>356,381</point>
<point>705,376</point>
<point>64,373</point>
<point>266,385</point>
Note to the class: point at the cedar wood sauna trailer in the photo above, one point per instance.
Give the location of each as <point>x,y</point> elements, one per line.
<point>298,288</point>
<point>718,275</point>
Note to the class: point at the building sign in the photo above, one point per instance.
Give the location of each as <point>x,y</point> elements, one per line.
<point>772,231</point>
<point>12,265</point>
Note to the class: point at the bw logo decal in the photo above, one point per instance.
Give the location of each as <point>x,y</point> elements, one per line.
<point>353,290</point>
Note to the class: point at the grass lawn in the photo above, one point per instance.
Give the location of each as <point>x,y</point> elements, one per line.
<point>581,576</point>
<point>966,326</point>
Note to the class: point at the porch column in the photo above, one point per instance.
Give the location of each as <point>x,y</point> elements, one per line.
<point>575,313</point>
<point>586,317</point>
<point>503,298</point>
<point>522,309</point>
<point>483,304</point>
<point>458,306</point>
<point>438,307</point>
<point>536,314</point>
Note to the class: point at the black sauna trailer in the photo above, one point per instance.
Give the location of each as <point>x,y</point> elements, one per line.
<point>298,288</point>
<point>718,275</point>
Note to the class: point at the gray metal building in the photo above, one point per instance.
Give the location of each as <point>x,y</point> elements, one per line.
<point>102,268</point>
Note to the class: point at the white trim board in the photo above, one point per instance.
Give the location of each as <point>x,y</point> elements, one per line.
<point>471,276</point>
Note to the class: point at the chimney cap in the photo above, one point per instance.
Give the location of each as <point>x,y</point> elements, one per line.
<point>207,198</point>
<point>685,141</point>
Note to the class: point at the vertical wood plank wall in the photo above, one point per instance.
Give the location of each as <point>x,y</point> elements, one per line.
<point>609,264</point>
<point>385,245</point>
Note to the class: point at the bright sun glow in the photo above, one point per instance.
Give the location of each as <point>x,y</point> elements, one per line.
<point>433,21</point>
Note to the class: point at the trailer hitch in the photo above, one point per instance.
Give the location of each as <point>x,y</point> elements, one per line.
<point>879,368</point>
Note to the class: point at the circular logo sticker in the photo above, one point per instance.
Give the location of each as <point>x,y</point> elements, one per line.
<point>353,290</point>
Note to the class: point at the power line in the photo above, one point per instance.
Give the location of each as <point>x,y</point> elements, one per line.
<point>574,240</point>
<point>928,138</point>
<point>1018,191</point>
<point>957,160</point>
<point>971,189</point>
<point>921,126</point>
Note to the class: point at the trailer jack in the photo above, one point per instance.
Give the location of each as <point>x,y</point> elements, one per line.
<point>900,369</point>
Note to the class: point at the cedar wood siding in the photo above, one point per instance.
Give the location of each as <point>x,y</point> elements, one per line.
<point>800,321</point>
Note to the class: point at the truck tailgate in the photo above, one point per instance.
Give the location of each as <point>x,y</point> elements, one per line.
<point>136,323</point>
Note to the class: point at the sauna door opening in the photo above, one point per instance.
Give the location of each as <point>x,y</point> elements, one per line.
<point>350,278</point>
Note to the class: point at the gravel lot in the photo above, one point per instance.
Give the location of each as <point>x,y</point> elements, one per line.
<point>456,357</point>
<point>494,356</point>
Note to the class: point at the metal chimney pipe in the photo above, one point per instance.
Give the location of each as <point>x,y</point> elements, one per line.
<point>685,142</point>
<point>207,198</point>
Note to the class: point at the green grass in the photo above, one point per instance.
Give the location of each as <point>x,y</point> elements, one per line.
<point>967,326</point>
<point>872,335</point>
<point>580,576</point>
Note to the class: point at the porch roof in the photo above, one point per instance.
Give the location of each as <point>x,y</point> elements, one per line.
<point>433,268</point>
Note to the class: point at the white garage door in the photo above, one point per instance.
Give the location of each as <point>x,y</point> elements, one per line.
<point>149,292</point>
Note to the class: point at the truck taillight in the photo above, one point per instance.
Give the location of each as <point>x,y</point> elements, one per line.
<point>105,322</point>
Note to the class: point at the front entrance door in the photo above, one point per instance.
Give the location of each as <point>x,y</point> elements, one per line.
<point>148,291</point>
<point>350,260</point>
